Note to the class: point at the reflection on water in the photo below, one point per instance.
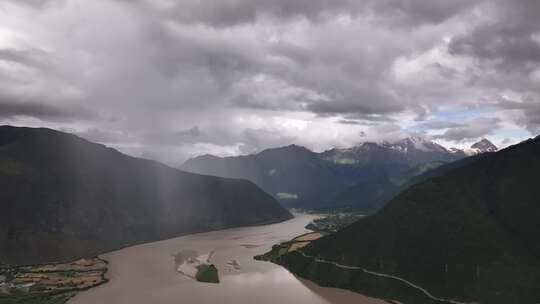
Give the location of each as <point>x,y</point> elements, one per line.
<point>142,274</point>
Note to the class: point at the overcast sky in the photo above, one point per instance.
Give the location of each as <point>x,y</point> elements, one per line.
<point>170,79</point>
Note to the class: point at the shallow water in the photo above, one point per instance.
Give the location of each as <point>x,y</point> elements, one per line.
<point>147,273</point>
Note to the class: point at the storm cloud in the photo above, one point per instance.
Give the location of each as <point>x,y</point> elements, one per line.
<point>480,127</point>
<point>49,112</point>
<point>173,79</point>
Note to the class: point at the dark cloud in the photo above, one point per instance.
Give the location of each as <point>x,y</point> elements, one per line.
<point>192,132</point>
<point>417,12</point>
<point>473,129</point>
<point>46,112</point>
<point>232,13</point>
<point>365,104</point>
<point>508,46</point>
<point>440,124</point>
<point>34,58</point>
<point>366,119</point>
<point>505,49</point>
<point>508,41</point>
<point>235,76</point>
<point>36,3</point>
<point>350,122</point>
<point>530,109</point>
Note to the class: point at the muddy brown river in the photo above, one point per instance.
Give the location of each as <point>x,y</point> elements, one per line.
<point>148,273</point>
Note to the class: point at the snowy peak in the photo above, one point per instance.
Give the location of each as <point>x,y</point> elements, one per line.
<point>411,148</point>
<point>406,145</point>
<point>420,143</point>
<point>484,146</point>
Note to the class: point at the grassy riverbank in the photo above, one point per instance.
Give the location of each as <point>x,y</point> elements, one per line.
<point>279,250</point>
<point>50,283</point>
<point>288,254</point>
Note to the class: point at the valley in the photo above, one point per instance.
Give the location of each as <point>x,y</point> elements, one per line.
<point>466,234</point>
<point>147,273</point>
<point>269,152</point>
<point>358,244</point>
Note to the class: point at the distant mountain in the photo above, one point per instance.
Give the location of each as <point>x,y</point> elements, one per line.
<point>63,197</point>
<point>411,151</point>
<point>365,197</point>
<point>299,177</point>
<point>484,146</point>
<point>469,232</point>
<point>371,195</point>
<point>291,173</point>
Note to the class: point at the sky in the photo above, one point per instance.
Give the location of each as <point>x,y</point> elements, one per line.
<point>169,80</point>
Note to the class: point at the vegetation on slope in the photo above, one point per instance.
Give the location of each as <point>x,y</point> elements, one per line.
<point>470,233</point>
<point>372,194</point>
<point>366,197</point>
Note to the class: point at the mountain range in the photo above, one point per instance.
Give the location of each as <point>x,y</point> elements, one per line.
<point>63,197</point>
<point>360,178</point>
<point>467,232</point>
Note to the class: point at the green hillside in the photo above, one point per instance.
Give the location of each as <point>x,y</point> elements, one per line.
<point>471,233</point>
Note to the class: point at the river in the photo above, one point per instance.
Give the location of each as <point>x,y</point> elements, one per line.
<point>147,273</point>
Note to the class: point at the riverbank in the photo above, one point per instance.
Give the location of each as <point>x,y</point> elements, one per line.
<point>50,283</point>
<point>147,273</point>
<point>390,288</point>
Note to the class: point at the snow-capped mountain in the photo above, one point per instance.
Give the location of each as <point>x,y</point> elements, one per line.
<point>410,149</point>
<point>303,178</point>
<point>484,146</point>
<point>415,143</point>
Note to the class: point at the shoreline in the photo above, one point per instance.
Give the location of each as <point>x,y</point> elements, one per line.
<point>146,273</point>
<point>52,283</point>
<point>104,252</point>
<point>69,294</point>
<point>289,247</point>
<point>292,258</point>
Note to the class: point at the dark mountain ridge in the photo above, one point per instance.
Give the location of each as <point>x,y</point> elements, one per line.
<point>469,232</point>
<point>64,197</point>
